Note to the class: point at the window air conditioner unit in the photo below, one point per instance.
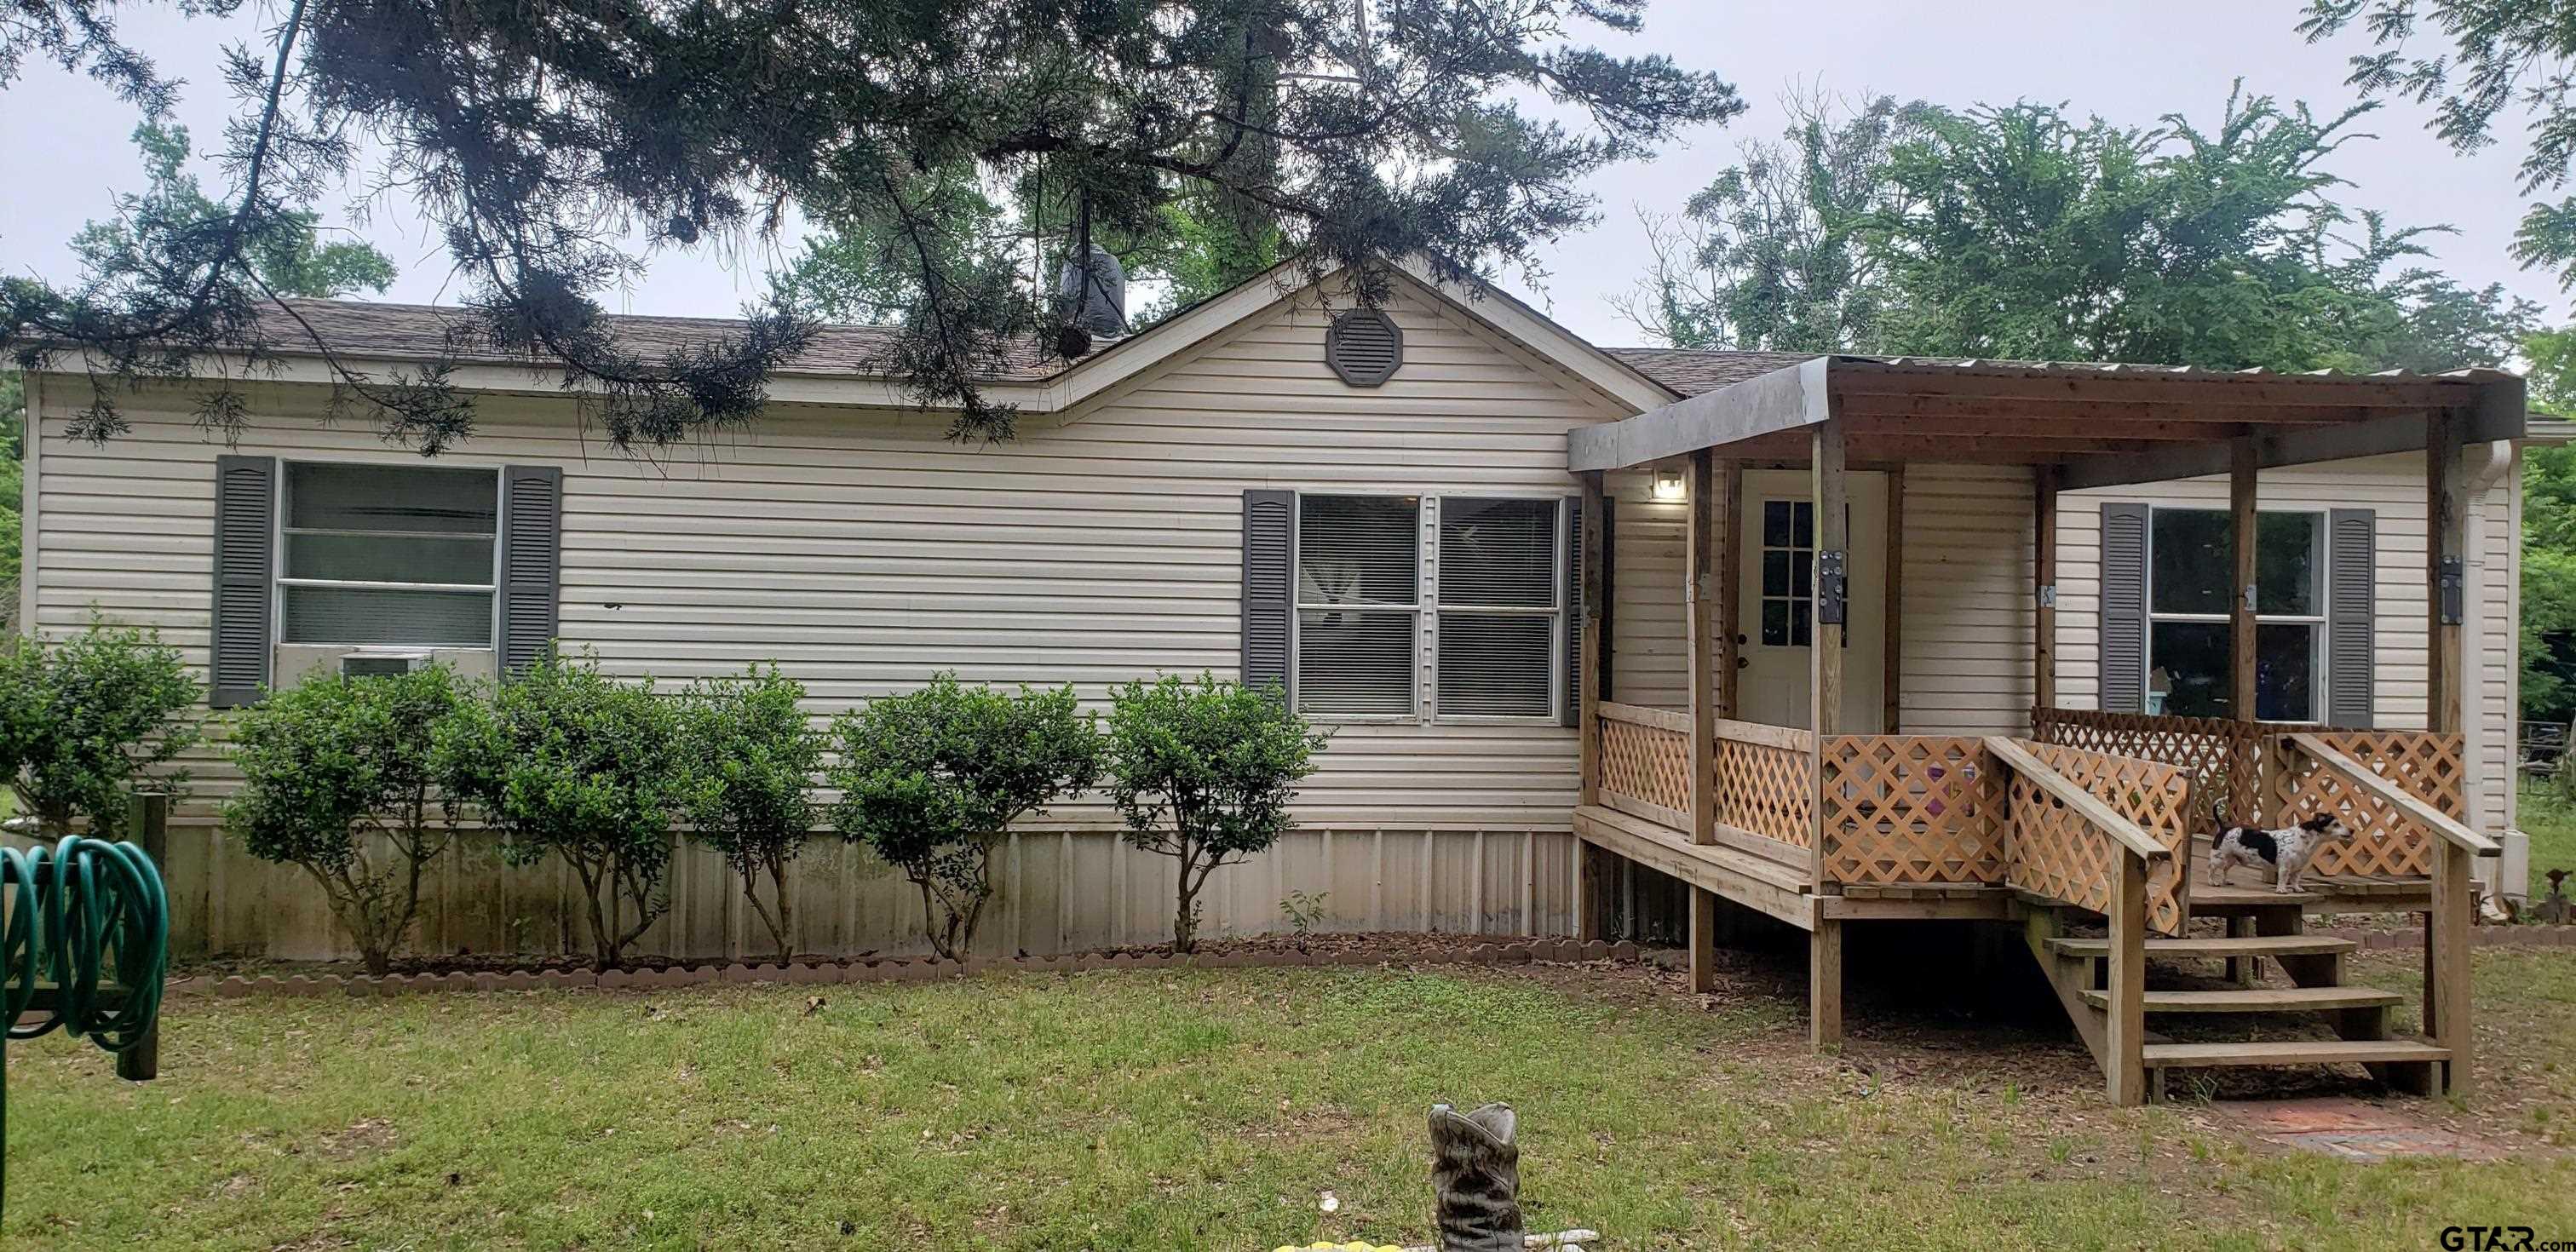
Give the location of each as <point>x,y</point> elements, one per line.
<point>381,664</point>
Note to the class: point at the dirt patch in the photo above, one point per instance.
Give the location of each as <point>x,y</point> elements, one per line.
<point>2352,1129</point>
<point>363,1138</point>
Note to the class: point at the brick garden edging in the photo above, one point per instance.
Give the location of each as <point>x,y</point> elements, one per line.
<point>886,970</point>
<point>2483,936</point>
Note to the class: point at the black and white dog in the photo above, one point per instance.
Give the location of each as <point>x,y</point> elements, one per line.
<point>2288,850</point>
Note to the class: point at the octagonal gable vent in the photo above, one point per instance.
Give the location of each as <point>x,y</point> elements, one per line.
<point>1364,346</point>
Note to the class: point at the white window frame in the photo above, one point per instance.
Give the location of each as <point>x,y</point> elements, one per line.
<point>1426,611</point>
<point>2318,653</point>
<point>278,581</point>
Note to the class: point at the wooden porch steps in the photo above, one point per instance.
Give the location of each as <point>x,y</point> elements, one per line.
<point>2259,1000</point>
<point>2292,1052</point>
<point>2249,945</point>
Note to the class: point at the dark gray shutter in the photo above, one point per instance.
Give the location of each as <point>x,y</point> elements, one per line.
<point>2124,608</point>
<point>1572,713</point>
<point>238,647</point>
<point>1269,549</point>
<point>531,562</point>
<point>2351,597</point>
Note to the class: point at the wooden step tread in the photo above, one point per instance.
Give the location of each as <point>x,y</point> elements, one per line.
<point>2250,945</point>
<point>2291,1052</point>
<point>2258,1000</point>
<point>2212,896</point>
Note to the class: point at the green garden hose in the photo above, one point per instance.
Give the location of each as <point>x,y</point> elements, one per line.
<point>81,910</point>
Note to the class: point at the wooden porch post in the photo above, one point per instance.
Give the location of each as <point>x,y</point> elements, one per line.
<point>1891,665</point>
<point>2125,1033</point>
<point>1833,543</point>
<point>1730,574</point>
<point>2043,574</point>
<point>1590,919</point>
<point>2446,926</point>
<point>1701,597</point>
<point>1588,652</point>
<point>2245,766</point>
<point>2242,472</point>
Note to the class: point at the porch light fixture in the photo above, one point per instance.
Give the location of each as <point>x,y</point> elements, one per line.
<point>1668,485</point>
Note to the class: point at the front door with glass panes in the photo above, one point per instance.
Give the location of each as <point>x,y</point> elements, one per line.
<point>2191,564</point>
<point>1775,617</point>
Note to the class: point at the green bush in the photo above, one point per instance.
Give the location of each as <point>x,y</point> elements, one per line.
<point>932,780</point>
<point>84,717</point>
<point>1203,770</point>
<point>749,756</point>
<point>569,762</point>
<point>332,761</point>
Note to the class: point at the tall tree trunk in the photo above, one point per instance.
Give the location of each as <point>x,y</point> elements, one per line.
<point>1185,918</point>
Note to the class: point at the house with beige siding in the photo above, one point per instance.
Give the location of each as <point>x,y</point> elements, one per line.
<point>1573,613</point>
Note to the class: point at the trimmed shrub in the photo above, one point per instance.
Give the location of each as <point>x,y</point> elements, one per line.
<point>1203,770</point>
<point>569,762</point>
<point>932,780</point>
<point>83,718</point>
<point>749,756</point>
<point>329,764</point>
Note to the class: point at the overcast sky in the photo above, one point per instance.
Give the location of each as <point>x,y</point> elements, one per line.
<point>66,150</point>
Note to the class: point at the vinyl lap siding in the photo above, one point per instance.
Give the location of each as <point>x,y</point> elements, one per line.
<point>863,550</point>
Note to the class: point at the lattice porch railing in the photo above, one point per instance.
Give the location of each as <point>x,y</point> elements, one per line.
<point>1912,809</point>
<point>1646,763</point>
<point>2055,850</point>
<point>2386,842</point>
<point>1765,779</point>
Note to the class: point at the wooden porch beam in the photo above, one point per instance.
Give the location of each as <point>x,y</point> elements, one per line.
<point>1784,399</point>
<point>2498,414</point>
<point>2213,421</point>
<point>2044,425</point>
<point>2244,470</point>
<point>1891,665</point>
<point>1853,379</point>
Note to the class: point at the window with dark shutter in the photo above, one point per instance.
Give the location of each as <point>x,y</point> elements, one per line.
<point>245,510</point>
<point>531,559</point>
<point>1359,598</point>
<point>1269,545</point>
<point>2124,607</point>
<point>1364,346</point>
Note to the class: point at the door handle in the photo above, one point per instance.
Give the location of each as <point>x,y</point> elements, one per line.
<point>1742,661</point>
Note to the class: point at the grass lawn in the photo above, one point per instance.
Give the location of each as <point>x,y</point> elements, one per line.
<point>1199,1110</point>
<point>2552,827</point>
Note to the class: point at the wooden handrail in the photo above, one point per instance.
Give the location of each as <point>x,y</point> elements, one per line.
<point>2399,798</point>
<point>2057,785</point>
<point>1765,735</point>
<point>1639,715</point>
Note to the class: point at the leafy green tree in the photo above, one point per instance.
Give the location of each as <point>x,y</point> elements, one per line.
<point>85,717</point>
<point>1774,254</point>
<point>750,759</point>
<point>2479,59</point>
<point>556,151</point>
<point>288,260</point>
<point>13,487</point>
<point>332,764</point>
<point>1203,770</point>
<point>2548,642</point>
<point>2024,232</point>
<point>566,761</point>
<point>931,781</point>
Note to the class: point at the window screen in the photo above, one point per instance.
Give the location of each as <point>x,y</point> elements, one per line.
<point>1359,567</point>
<point>388,554</point>
<point>1498,607</point>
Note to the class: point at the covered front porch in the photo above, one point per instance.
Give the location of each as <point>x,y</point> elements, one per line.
<point>1798,772</point>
